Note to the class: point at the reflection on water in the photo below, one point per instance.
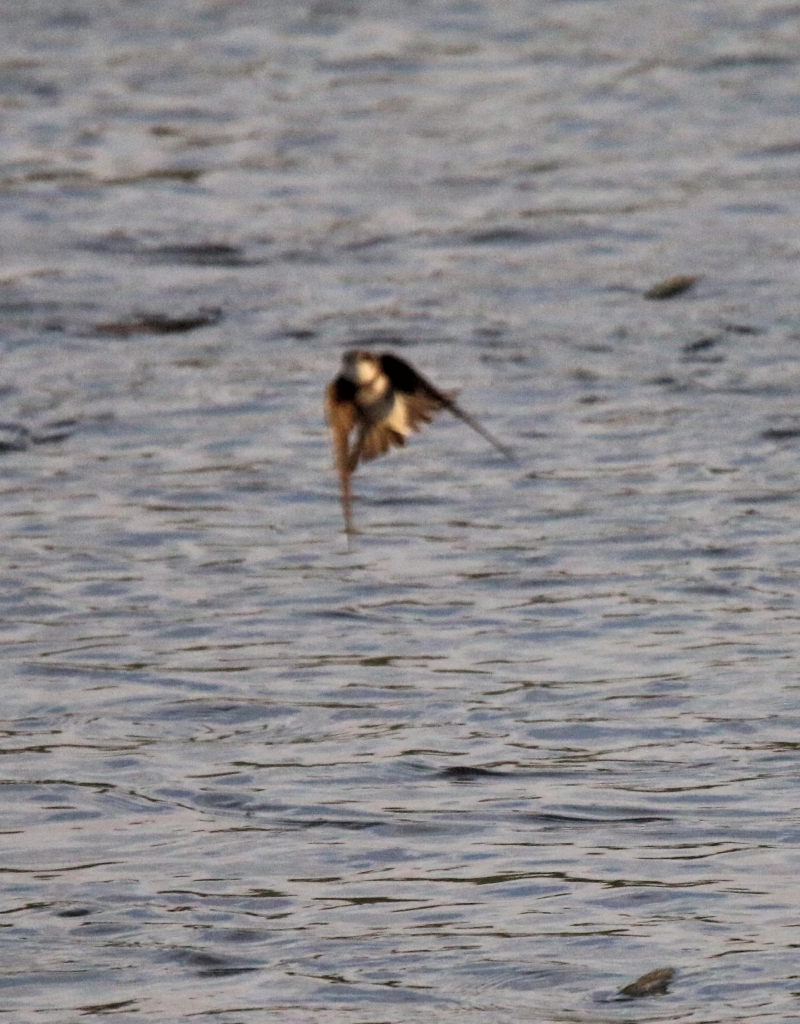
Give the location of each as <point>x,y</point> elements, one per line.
<point>534,735</point>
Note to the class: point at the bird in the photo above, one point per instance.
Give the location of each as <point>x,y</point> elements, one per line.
<point>382,400</point>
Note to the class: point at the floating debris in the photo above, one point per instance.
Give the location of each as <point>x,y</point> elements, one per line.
<point>653,984</point>
<point>469,773</point>
<point>671,287</point>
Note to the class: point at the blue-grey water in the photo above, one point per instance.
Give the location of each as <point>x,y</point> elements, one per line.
<point>535,732</point>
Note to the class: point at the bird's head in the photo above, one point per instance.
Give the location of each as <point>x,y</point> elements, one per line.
<point>360,367</point>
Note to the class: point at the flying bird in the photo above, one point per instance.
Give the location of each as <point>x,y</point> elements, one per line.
<point>380,400</point>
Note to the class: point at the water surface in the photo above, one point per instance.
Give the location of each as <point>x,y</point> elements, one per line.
<point>536,731</point>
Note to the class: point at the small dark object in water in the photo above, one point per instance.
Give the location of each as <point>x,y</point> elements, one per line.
<point>382,400</point>
<point>160,323</point>
<point>671,287</point>
<point>653,984</point>
<point>468,773</point>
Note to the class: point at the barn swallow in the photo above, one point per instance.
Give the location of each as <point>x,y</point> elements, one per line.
<point>384,400</point>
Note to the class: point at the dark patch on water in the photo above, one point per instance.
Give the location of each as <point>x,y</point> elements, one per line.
<point>781,433</point>
<point>160,323</point>
<point>701,345</point>
<point>16,437</point>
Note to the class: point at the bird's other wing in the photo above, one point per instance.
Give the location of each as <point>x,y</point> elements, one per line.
<point>429,399</point>
<point>340,412</point>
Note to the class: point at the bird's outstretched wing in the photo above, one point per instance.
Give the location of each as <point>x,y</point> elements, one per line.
<point>423,400</point>
<point>408,413</point>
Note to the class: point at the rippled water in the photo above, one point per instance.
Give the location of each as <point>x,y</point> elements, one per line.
<point>536,732</point>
